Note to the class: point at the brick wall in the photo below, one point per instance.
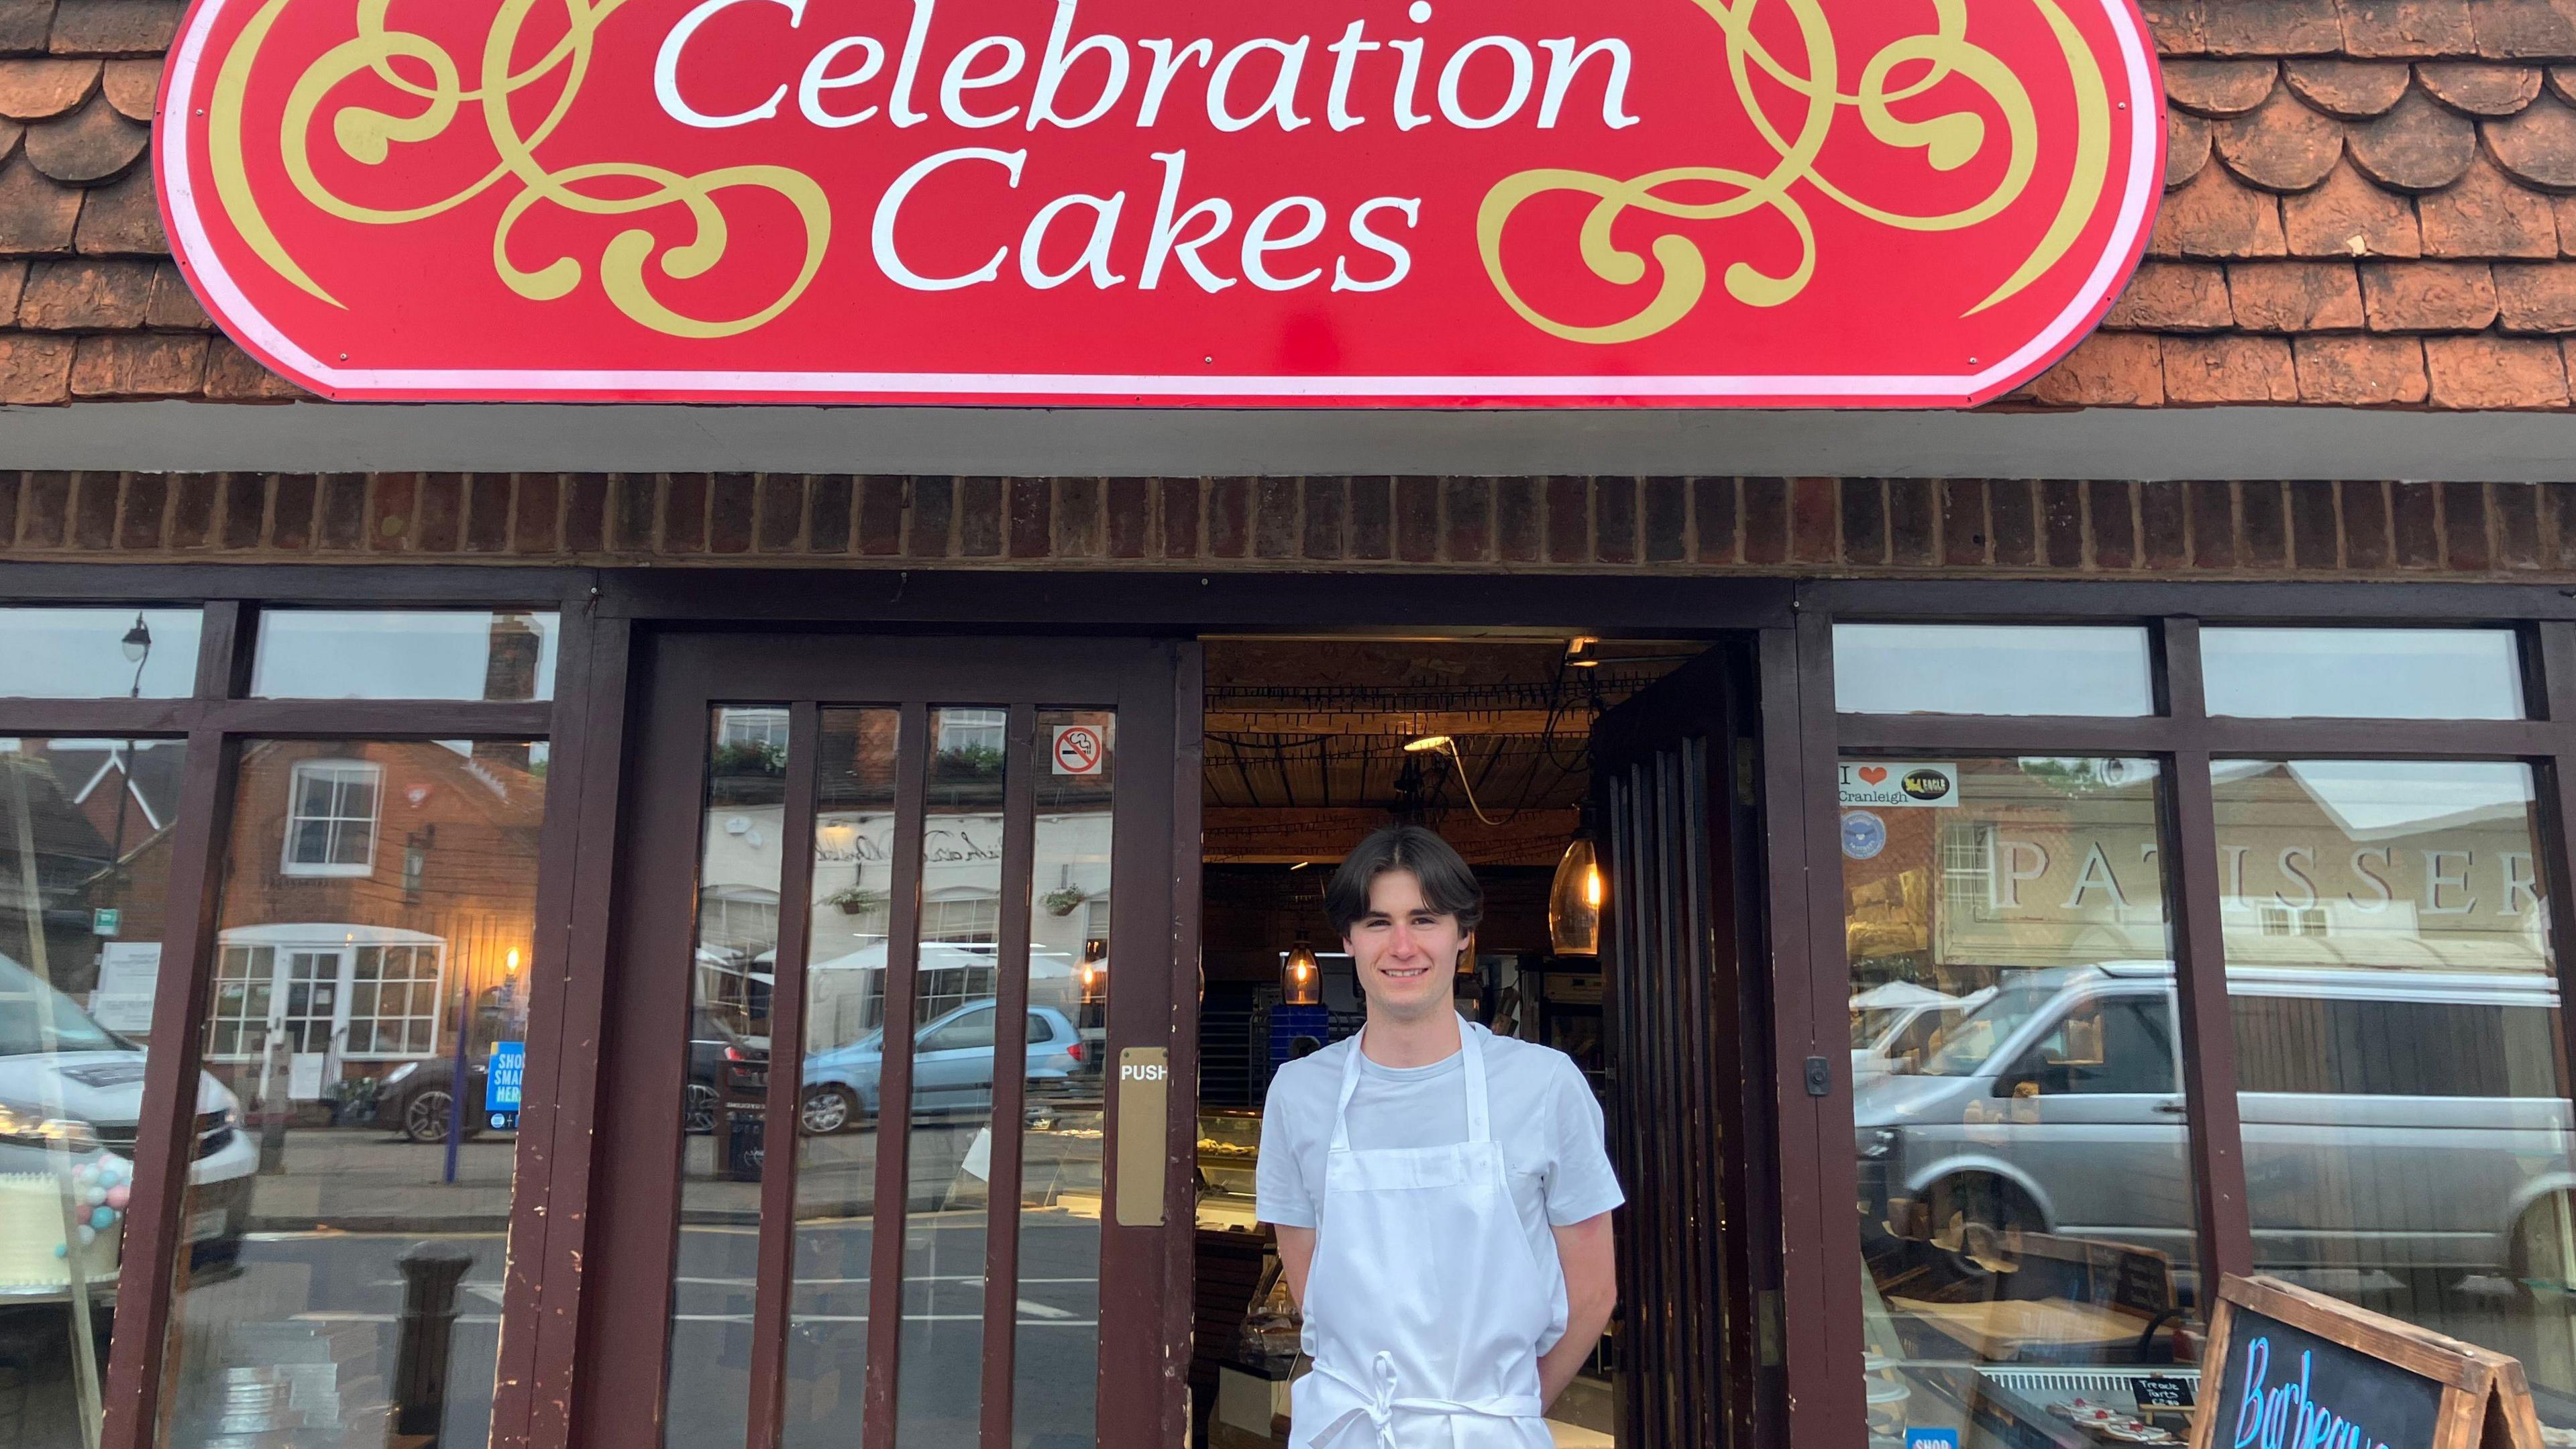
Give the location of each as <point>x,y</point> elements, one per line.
<point>1759,525</point>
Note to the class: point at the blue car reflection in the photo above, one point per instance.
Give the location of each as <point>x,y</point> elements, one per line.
<point>952,1067</point>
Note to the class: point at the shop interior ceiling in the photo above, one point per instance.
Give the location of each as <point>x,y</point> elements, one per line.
<point>1305,742</point>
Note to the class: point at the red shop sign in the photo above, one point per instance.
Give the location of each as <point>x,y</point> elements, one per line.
<point>1372,202</point>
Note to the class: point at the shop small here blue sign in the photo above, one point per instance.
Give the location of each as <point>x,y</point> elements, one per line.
<point>1931,1439</point>
<point>501,1079</point>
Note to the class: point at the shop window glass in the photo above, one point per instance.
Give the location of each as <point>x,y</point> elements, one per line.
<point>370,1026</point>
<point>2003,669</point>
<point>98,653</point>
<point>724,1101</point>
<point>423,654</point>
<point>2362,673</point>
<point>2406,1125</point>
<point>82,872</point>
<point>2026,1188</point>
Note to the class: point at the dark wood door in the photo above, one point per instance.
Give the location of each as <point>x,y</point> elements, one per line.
<point>896,1106</point>
<point>1673,768</point>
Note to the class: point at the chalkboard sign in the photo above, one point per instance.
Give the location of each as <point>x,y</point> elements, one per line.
<point>2284,1386</point>
<point>2162,1391</point>
<point>2289,1369</point>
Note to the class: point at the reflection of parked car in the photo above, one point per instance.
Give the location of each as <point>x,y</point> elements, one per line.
<point>2392,1119</point>
<point>1903,1035</point>
<point>709,1040</point>
<point>952,1067</point>
<point>415,1099</point>
<point>66,1081</point>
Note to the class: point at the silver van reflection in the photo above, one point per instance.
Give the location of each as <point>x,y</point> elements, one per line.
<point>2396,1120</point>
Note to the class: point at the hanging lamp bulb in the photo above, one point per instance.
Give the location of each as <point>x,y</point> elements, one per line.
<point>1301,980</point>
<point>1574,899</point>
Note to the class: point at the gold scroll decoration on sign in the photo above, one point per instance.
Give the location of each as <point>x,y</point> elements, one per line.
<point>1947,141</point>
<point>423,71</point>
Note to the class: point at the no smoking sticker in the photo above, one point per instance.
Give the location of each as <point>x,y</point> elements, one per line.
<point>1079,750</point>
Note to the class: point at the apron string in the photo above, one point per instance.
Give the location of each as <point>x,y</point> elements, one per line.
<point>1383,1403</point>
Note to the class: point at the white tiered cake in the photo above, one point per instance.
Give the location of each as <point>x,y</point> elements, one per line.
<point>31,1238</point>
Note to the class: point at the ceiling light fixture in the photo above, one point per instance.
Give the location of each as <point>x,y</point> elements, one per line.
<point>1449,747</point>
<point>1574,899</point>
<point>1301,980</point>
<point>1582,652</point>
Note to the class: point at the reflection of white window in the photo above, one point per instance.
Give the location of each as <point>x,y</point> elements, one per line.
<point>331,818</point>
<point>2278,920</point>
<point>1095,918</point>
<point>767,727</point>
<point>973,729</point>
<point>362,993</point>
<point>1964,849</point>
<point>962,919</point>
<point>742,919</point>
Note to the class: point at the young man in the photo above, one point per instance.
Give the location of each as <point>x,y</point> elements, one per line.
<point>1441,1194</point>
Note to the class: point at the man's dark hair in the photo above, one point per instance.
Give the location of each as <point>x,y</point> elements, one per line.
<point>1447,884</point>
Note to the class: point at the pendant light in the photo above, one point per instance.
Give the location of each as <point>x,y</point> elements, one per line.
<point>1093,973</point>
<point>1301,981</point>
<point>1574,900</point>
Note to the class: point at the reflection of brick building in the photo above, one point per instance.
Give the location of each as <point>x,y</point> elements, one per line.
<point>367,885</point>
<point>86,804</point>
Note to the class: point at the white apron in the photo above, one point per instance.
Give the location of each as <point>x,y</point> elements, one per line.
<point>1425,1308</point>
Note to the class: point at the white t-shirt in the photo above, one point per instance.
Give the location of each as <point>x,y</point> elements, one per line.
<point>1543,1114</point>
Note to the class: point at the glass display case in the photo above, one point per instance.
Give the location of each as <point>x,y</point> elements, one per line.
<point>1229,1151</point>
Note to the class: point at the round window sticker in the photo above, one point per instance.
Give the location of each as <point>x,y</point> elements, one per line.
<point>1864,835</point>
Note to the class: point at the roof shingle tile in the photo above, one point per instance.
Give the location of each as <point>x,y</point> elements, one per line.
<point>233,375</point>
<point>2407,27</point>
<point>174,305</point>
<point>2348,216</point>
<point>2219,88</point>
<point>2487,215</point>
<point>115,27</point>
<point>2186,147</point>
<point>36,215</point>
<point>2271,27</point>
<point>2417,147</point>
<point>2294,296</point>
<point>139,364</point>
<point>35,369</point>
<point>25,26</point>
<point>122,217</point>
<point>85,293</point>
<point>2536,296</point>
<point>133,87</point>
<point>34,89</point>
<point>2112,369</point>
<point>2475,88</point>
<point>2538,146</point>
<point>2513,29</point>
<point>2280,145</point>
<point>91,145</point>
<point>2229,368</point>
<point>2495,372</point>
<point>2351,90</point>
<point>2352,370</point>
<point>2428,296</point>
<point>2174,297</point>
<point>2217,216</point>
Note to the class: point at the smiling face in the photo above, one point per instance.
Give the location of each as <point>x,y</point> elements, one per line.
<point>1406,951</point>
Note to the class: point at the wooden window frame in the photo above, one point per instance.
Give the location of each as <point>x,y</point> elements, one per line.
<point>2183,738</point>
